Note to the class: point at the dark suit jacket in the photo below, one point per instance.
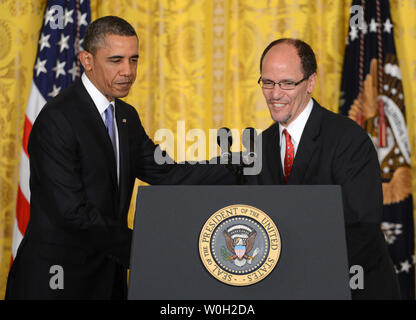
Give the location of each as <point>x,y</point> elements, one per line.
<point>78,210</point>
<point>334,150</point>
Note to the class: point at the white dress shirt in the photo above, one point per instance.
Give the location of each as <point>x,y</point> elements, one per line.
<point>101,103</point>
<point>295,129</point>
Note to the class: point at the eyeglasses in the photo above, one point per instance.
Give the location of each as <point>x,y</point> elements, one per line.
<point>284,84</point>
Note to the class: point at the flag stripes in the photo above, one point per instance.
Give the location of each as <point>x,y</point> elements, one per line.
<point>56,67</point>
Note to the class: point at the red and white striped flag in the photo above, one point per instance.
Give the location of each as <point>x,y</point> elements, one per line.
<point>56,67</point>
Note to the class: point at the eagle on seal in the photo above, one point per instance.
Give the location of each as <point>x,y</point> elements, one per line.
<point>240,241</point>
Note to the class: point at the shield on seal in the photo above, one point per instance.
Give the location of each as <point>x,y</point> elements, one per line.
<point>240,251</point>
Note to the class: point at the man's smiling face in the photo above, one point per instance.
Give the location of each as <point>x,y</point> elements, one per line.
<point>282,63</point>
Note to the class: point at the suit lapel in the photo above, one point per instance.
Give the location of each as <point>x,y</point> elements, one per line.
<point>124,153</point>
<point>273,161</point>
<point>307,146</point>
<point>97,128</point>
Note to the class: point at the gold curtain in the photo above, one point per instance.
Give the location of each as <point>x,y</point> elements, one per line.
<point>199,60</point>
<point>20,23</point>
<point>199,63</point>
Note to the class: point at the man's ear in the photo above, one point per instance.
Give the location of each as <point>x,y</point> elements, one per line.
<point>86,59</point>
<point>311,83</point>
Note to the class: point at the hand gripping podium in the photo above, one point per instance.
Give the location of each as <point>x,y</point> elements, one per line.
<point>220,243</point>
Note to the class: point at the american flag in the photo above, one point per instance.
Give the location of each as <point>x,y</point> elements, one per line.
<point>56,67</point>
<point>372,95</point>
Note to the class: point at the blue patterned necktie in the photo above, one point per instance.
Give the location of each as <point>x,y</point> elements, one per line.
<point>109,123</point>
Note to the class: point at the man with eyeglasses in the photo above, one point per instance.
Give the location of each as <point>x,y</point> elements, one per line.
<point>310,145</point>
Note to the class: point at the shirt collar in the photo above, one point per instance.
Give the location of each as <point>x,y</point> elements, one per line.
<point>100,101</point>
<point>295,128</point>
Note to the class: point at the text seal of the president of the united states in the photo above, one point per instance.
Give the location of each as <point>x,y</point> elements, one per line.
<point>239,245</point>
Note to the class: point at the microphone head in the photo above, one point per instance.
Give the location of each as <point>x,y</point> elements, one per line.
<point>224,135</point>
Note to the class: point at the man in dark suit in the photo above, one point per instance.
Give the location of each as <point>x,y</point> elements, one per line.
<point>86,149</point>
<point>310,145</point>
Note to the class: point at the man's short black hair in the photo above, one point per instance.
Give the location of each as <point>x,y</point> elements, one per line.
<point>98,29</point>
<point>305,52</point>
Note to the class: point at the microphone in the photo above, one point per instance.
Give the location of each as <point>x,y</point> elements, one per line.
<point>249,140</point>
<point>225,140</point>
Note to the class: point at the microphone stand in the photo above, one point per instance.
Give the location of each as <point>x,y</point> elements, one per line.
<point>225,135</point>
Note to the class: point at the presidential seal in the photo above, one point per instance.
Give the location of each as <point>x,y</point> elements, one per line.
<point>239,245</point>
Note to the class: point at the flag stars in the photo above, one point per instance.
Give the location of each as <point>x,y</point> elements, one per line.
<point>405,266</point>
<point>54,92</point>
<point>40,66</point>
<point>59,68</point>
<point>364,27</point>
<point>49,15</point>
<point>82,19</point>
<point>73,71</point>
<point>63,42</point>
<point>353,33</point>
<point>387,26</point>
<point>373,25</point>
<point>81,43</point>
<point>44,41</point>
<point>68,16</point>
